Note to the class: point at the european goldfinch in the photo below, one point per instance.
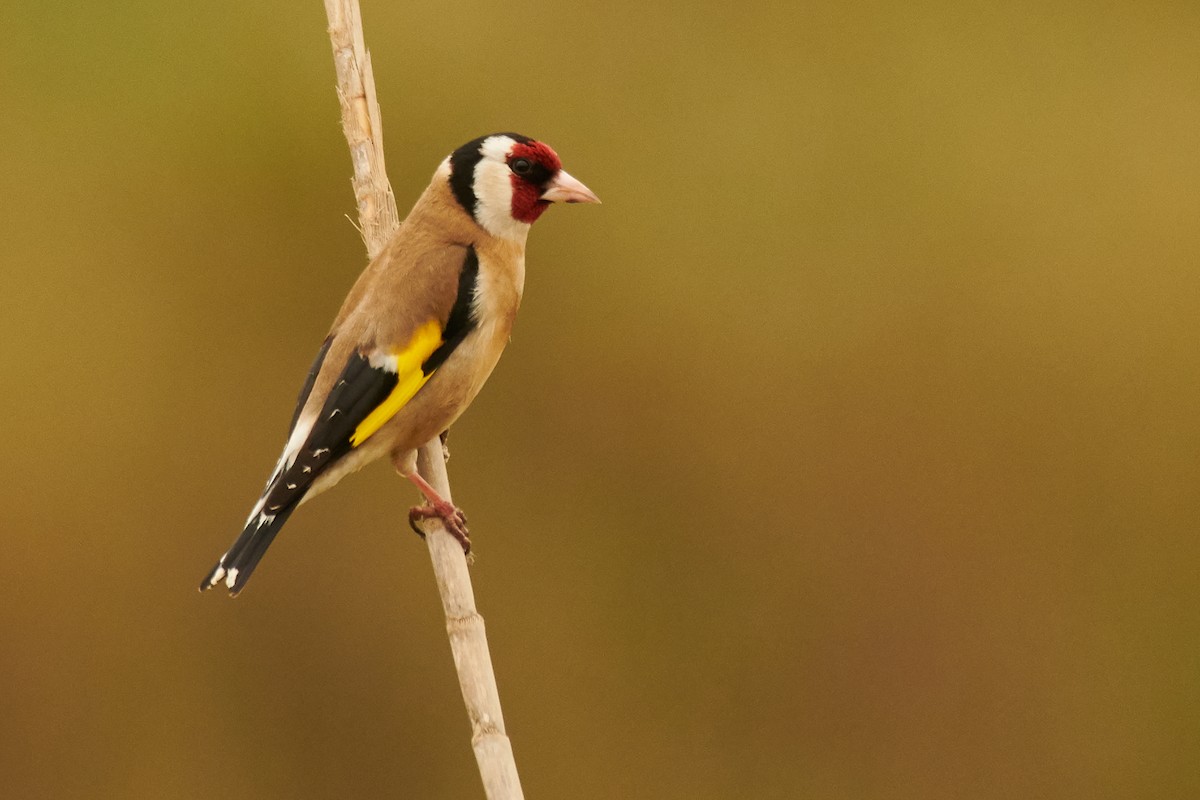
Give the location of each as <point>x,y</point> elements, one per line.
<point>416,338</point>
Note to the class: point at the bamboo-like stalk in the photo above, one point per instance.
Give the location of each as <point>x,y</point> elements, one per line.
<point>468,643</point>
<point>362,124</point>
<point>378,220</point>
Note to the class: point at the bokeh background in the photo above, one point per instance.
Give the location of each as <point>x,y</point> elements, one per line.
<point>851,449</point>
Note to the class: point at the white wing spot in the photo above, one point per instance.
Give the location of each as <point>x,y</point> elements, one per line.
<point>381,359</point>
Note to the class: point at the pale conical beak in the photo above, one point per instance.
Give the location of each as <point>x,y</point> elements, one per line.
<point>566,189</point>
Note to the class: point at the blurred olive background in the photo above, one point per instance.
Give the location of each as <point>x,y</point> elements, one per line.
<point>849,450</point>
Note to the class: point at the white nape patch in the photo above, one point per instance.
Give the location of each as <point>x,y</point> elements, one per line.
<point>494,191</point>
<point>231,578</point>
<point>443,170</point>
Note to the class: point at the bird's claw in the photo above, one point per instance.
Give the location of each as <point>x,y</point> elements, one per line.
<point>454,520</point>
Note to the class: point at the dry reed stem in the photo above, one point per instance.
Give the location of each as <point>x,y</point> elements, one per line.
<point>362,124</point>
<point>378,220</point>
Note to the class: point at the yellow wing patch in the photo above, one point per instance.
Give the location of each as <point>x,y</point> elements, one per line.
<point>408,369</point>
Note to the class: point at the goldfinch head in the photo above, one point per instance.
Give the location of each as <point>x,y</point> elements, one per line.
<point>506,180</point>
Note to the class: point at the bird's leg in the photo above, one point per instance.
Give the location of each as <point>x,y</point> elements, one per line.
<point>437,506</point>
<point>450,515</point>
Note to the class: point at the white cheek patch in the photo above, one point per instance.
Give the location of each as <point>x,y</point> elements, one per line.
<point>497,147</point>
<point>494,191</point>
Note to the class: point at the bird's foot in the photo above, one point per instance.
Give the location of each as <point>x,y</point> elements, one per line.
<point>452,517</point>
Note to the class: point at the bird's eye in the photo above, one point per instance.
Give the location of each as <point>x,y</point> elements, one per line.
<point>521,166</point>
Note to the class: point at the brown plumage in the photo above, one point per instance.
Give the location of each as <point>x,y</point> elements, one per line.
<point>417,336</point>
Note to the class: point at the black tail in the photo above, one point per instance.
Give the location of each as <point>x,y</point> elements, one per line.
<point>238,563</point>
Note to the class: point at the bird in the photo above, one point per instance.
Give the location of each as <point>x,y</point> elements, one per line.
<point>416,337</point>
